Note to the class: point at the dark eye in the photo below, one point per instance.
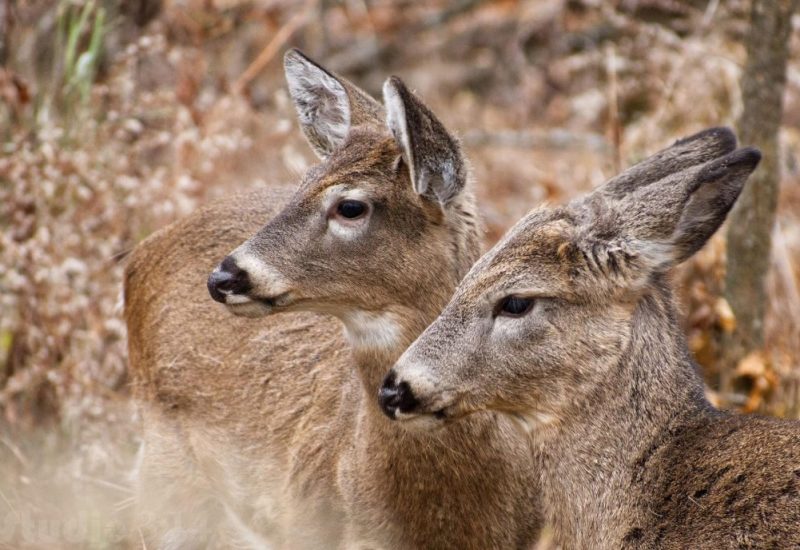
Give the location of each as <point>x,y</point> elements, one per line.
<point>514,306</point>
<point>351,209</point>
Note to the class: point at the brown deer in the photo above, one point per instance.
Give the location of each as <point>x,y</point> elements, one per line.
<point>569,326</point>
<point>263,426</point>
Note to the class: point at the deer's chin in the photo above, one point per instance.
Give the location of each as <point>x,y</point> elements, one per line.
<point>250,308</point>
<point>247,306</point>
<point>419,422</point>
<point>428,421</point>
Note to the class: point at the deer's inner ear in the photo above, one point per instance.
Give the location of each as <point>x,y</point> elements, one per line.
<point>321,101</point>
<point>435,163</point>
<point>327,105</point>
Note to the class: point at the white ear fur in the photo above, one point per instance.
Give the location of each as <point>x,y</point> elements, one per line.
<point>627,263</point>
<point>322,104</point>
<point>396,121</point>
<point>655,256</point>
<point>449,187</point>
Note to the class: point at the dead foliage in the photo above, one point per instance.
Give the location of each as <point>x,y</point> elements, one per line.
<point>550,98</point>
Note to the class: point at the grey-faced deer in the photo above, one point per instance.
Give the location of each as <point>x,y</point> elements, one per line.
<point>268,426</point>
<point>569,325</point>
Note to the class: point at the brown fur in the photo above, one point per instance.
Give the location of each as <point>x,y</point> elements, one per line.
<point>268,427</point>
<point>598,372</point>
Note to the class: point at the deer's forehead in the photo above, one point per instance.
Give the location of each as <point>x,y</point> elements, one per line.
<point>537,238</point>
<point>532,250</point>
<point>365,157</point>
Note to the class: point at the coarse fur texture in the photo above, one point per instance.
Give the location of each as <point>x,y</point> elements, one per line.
<point>595,368</point>
<point>265,431</point>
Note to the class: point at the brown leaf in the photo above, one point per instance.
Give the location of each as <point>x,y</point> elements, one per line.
<point>725,317</point>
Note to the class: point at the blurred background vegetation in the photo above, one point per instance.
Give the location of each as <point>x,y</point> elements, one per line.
<point>118,117</point>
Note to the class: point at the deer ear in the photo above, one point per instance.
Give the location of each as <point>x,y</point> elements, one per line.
<point>657,226</point>
<point>719,183</point>
<point>687,152</point>
<point>685,209</point>
<point>433,156</point>
<point>327,105</point>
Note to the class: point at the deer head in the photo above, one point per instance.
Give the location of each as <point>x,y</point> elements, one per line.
<point>383,224</point>
<point>540,321</point>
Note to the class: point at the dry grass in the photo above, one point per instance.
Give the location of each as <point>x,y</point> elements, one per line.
<point>548,97</point>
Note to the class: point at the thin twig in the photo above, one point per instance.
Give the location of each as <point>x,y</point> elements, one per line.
<point>272,48</point>
<point>5,28</point>
<point>365,53</point>
<point>123,504</point>
<point>694,501</point>
<point>614,129</point>
<point>708,16</point>
<point>527,139</point>
<point>784,271</point>
<point>104,483</point>
<point>8,502</point>
<point>15,451</point>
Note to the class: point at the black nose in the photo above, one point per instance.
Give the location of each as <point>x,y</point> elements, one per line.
<point>393,396</point>
<point>227,279</point>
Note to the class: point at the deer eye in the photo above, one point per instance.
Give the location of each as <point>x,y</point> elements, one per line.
<point>351,209</point>
<point>514,306</point>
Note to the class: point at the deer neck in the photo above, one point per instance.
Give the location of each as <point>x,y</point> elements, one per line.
<point>378,339</point>
<point>590,461</point>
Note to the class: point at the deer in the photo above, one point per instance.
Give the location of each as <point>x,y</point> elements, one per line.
<point>569,326</point>
<point>260,426</point>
